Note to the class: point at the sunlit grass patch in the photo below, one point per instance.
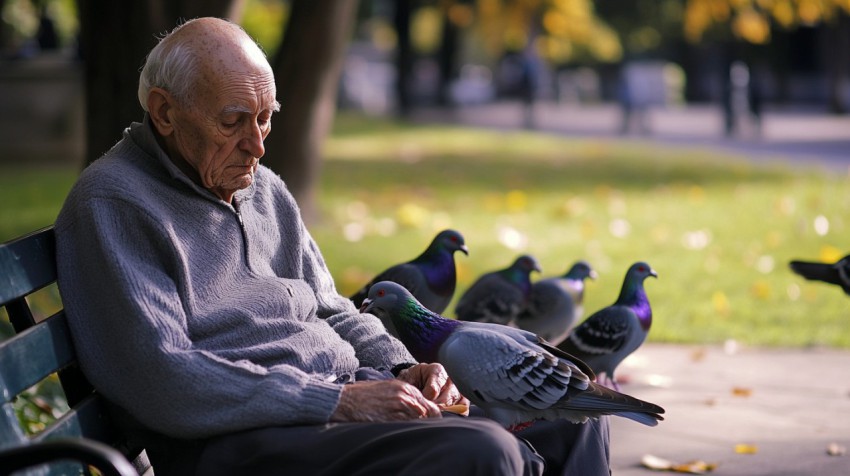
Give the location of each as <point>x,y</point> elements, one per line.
<point>719,230</point>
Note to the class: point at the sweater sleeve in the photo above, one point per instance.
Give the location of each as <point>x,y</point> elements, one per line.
<point>375,347</point>
<point>129,327</point>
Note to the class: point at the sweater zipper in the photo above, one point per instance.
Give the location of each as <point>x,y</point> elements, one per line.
<point>241,225</point>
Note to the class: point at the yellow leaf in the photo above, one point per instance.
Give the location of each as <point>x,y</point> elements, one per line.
<point>742,392</point>
<point>752,26</point>
<point>691,467</point>
<point>516,200</point>
<point>694,467</point>
<point>720,302</point>
<point>412,215</point>
<point>696,194</point>
<point>746,449</point>
<point>761,290</point>
<point>830,254</point>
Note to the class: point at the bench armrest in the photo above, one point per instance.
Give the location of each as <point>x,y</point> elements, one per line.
<point>109,461</point>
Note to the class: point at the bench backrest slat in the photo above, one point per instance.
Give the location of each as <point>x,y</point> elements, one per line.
<point>32,355</point>
<point>28,264</point>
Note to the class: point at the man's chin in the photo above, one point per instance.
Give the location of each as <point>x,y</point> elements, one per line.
<point>245,181</point>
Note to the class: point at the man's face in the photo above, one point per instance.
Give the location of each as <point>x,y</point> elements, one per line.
<point>220,132</point>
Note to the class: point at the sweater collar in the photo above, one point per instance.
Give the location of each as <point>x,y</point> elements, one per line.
<point>142,134</point>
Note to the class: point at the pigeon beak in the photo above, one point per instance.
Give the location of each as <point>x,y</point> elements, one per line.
<point>653,273</point>
<point>593,274</point>
<point>364,307</point>
<point>464,249</point>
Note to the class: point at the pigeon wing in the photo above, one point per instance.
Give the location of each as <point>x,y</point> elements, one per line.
<point>550,312</point>
<point>605,332</point>
<point>490,299</point>
<point>493,369</point>
<point>406,274</point>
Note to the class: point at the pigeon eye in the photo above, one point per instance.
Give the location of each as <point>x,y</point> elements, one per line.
<point>641,269</point>
<point>381,293</point>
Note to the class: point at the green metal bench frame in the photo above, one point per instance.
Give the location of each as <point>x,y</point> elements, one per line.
<point>84,436</point>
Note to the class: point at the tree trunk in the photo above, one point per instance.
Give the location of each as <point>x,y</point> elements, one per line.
<point>404,57</point>
<point>307,68</point>
<point>838,71</point>
<point>447,58</point>
<point>4,31</point>
<point>115,37</point>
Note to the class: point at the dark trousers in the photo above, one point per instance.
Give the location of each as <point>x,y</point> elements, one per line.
<point>433,447</point>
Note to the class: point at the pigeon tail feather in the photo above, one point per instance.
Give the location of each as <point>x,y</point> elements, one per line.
<point>816,271</point>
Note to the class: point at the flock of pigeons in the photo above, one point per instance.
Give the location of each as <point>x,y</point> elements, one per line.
<point>514,349</point>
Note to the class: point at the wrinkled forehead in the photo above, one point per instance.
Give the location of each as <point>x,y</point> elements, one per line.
<point>235,74</point>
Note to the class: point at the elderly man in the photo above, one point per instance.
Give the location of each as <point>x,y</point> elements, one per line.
<point>204,312</point>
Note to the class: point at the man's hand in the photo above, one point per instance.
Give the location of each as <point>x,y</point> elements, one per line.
<point>435,385</point>
<point>383,400</point>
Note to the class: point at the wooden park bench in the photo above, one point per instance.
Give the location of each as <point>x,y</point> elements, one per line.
<point>81,438</point>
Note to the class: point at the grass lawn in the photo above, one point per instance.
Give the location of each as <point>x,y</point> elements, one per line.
<point>718,231</point>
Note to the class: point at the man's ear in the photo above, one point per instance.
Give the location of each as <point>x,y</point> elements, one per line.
<point>160,104</point>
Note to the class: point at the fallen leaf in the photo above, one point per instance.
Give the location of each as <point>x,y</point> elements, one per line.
<point>834,449</point>
<point>746,449</point>
<point>661,381</point>
<point>656,463</point>
<point>691,467</point>
<point>742,392</point>
<point>694,467</point>
<point>698,354</point>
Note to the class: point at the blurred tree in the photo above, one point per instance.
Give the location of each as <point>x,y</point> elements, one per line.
<point>557,31</point>
<point>307,68</point>
<point>114,39</point>
<point>646,28</point>
<point>752,22</point>
<point>4,34</point>
<point>404,56</point>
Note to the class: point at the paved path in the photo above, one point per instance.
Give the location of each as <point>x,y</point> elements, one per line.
<point>799,136</point>
<point>789,406</point>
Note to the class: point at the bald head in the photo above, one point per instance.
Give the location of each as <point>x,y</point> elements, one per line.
<point>196,53</point>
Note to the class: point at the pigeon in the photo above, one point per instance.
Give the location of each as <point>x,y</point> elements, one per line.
<point>514,376</point>
<point>555,304</point>
<point>832,273</point>
<point>498,296</point>
<point>431,276</point>
<point>610,334</point>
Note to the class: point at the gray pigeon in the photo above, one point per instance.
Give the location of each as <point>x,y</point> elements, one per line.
<point>837,273</point>
<point>556,304</point>
<point>608,336</point>
<point>511,374</point>
<point>431,276</point>
<point>498,296</point>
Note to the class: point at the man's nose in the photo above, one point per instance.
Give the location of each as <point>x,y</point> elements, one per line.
<point>253,142</point>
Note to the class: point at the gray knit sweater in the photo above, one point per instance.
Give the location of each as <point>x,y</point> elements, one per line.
<point>198,317</point>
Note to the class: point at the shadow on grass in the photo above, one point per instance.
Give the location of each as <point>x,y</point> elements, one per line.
<point>476,174</point>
